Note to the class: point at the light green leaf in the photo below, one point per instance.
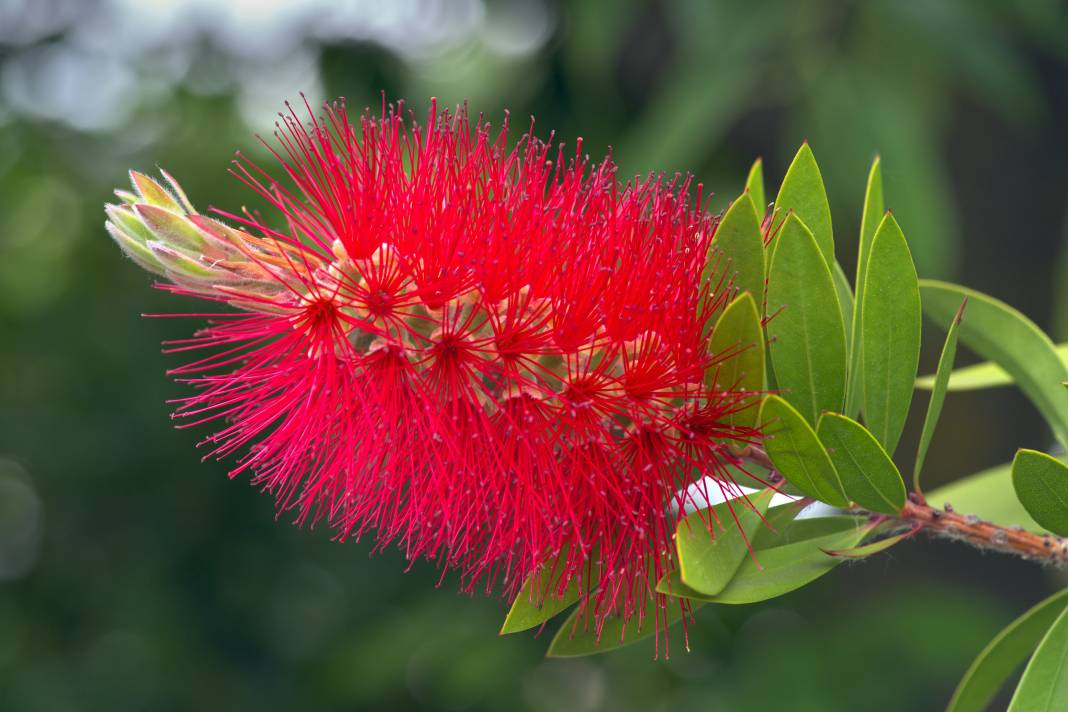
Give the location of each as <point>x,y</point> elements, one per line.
<point>775,571</point>
<point>997,332</point>
<point>868,474</point>
<point>938,395</point>
<point>540,598</point>
<point>1044,685</point>
<point>874,207</point>
<point>988,495</point>
<point>740,242</point>
<point>807,334</point>
<point>782,527</point>
<point>889,334</point>
<point>578,636</point>
<point>802,192</point>
<point>754,183</point>
<point>982,375</point>
<point>713,542</point>
<point>865,550</point>
<point>739,336</point>
<point>797,454</point>
<point>1004,654</point>
<point>1041,484</point>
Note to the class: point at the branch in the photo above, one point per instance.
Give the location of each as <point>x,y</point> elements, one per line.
<point>917,514</point>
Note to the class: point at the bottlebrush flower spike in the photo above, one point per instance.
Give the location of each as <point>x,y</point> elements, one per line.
<point>487,355</point>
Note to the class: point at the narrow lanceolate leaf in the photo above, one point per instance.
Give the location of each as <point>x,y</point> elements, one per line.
<point>889,334</point>
<point>1041,484</point>
<point>802,192</point>
<point>776,571</point>
<point>874,208</point>
<point>713,542</point>
<point>540,598</point>
<point>754,183</point>
<point>845,300</point>
<point>808,352</point>
<point>938,395</point>
<point>865,550</point>
<point>741,246</point>
<point>1044,685</point>
<point>797,454</point>
<point>997,332</point>
<point>982,375</point>
<point>1004,654</point>
<point>739,337</point>
<point>868,474</point>
<point>578,637</point>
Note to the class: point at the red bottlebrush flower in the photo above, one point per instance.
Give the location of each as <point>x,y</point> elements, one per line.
<point>487,355</point>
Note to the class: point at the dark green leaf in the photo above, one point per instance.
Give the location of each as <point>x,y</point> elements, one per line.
<point>739,337</point>
<point>797,454</point>
<point>754,183</point>
<point>1044,685</point>
<point>869,476</point>
<point>1001,334</point>
<point>807,336</point>
<point>1004,654</point>
<point>1041,484</point>
<point>938,395</point>
<point>713,542</point>
<point>802,192</point>
<point>741,244</point>
<point>889,334</point>
<point>872,215</point>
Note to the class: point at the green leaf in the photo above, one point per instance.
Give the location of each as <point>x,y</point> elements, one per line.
<point>982,375</point>
<point>739,336</point>
<point>807,336</point>
<point>999,333</point>
<point>775,571</point>
<point>868,474</point>
<point>578,637</point>
<point>865,550</point>
<point>874,208</point>
<point>540,598</point>
<point>790,531</point>
<point>1041,484</point>
<point>988,495</point>
<point>797,454</point>
<point>889,334</point>
<point>802,192</point>
<point>845,299</point>
<point>754,183</point>
<point>1044,685</point>
<point>938,395</point>
<point>1004,654</point>
<point>739,240</point>
<point>713,542</point>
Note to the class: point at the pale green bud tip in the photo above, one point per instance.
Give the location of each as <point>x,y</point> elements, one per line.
<point>158,228</point>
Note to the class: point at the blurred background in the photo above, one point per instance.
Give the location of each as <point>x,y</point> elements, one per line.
<point>134,577</point>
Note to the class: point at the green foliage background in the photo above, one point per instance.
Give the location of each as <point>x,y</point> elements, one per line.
<point>132,576</point>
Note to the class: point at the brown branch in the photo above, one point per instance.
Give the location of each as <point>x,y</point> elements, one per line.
<point>968,528</point>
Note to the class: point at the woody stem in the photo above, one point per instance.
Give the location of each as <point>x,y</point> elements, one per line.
<point>918,514</point>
